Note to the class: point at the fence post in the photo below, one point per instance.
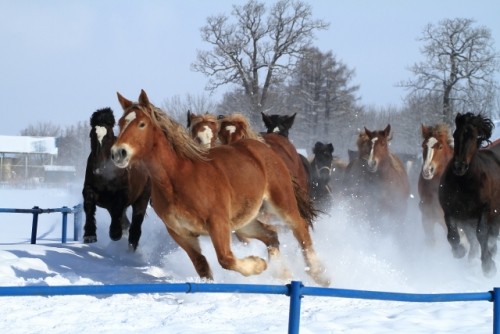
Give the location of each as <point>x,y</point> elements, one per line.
<point>34,225</point>
<point>64,223</point>
<point>294,316</point>
<point>77,221</point>
<point>496,311</point>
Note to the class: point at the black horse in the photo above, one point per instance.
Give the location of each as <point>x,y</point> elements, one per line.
<point>110,187</point>
<point>470,188</point>
<point>280,124</point>
<point>321,174</point>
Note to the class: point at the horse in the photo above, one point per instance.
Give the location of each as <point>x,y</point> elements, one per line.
<point>469,193</point>
<point>241,177</point>
<point>437,151</point>
<point>377,178</point>
<point>236,126</point>
<point>322,166</point>
<point>203,128</point>
<point>280,124</point>
<point>112,188</point>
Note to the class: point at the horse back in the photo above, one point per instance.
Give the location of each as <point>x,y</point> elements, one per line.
<point>288,153</point>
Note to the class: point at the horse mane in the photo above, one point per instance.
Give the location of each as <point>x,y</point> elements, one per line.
<point>211,118</point>
<point>246,128</point>
<point>175,133</point>
<point>102,117</point>
<point>441,132</point>
<point>483,124</point>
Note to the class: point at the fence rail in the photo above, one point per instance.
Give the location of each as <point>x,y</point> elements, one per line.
<point>36,211</point>
<point>295,291</point>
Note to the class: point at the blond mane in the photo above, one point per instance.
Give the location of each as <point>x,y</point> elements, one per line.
<point>211,118</point>
<point>248,131</point>
<point>442,133</point>
<point>175,133</point>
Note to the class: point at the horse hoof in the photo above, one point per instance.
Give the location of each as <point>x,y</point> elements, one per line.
<point>132,247</point>
<point>489,268</point>
<point>115,236</point>
<point>89,239</point>
<point>459,251</point>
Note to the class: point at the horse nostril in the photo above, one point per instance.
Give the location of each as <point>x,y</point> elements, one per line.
<point>123,153</point>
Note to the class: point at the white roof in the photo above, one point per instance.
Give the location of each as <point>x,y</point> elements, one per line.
<point>28,144</point>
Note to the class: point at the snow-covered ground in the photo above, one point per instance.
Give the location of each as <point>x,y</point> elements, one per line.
<point>355,258</point>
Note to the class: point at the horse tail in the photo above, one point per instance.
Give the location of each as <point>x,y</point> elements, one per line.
<point>304,202</point>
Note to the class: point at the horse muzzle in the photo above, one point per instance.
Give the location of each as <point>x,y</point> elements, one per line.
<point>460,168</point>
<point>120,156</point>
<point>372,166</point>
<point>428,173</point>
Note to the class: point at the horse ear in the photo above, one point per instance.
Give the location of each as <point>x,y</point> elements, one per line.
<point>289,121</point>
<point>425,130</point>
<point>367,132</point>
<point>330,148</point>
<point>266,119</point>
<point>143,98</point>
<point>189,118</point>
<point>387,130</point>
<point>317,146</point>
<point>123,101</point>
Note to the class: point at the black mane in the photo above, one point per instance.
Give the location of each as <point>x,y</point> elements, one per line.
<point>483,125</point>
<point>103,117</point>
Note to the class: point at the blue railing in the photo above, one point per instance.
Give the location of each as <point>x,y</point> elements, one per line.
<point>295,291</point>
<point>35,211</point>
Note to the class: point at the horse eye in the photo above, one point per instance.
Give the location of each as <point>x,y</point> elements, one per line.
<point>142,124</point>
<point>440,146</point>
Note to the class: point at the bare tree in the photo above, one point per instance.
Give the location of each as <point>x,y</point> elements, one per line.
<point>255,45</point>
<point>178,107</point>
<point>41,129</point>
<point>460,63</point>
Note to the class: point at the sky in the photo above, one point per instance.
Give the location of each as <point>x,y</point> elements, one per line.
<point>61,60</point>
<point>355,257</point>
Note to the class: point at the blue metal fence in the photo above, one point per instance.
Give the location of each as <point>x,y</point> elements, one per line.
<point>35,211</point>
<point>295,291</point>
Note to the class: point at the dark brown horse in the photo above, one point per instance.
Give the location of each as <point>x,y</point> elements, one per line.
<point>322,167</point>
<point>470,188</point>
<point>377,179</point>
<point>242,177</point>
<point>437,150</point>
<point>112,188</point>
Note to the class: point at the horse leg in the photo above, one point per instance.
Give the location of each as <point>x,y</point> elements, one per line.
<point>483,233</point>
<point>220,233</point>
<point>267,234</point>
<point>494,229</point>
<point>117,212</point>
<point>191,246</point>
<point>454,237</point>
<point>469,230</point>
<point>139,208</point>
<point>89,206</point>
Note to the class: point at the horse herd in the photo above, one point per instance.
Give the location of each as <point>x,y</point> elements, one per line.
<point>218,177</point>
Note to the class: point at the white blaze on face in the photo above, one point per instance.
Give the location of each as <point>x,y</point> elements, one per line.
<point>129,118</point>
<point>205,136</point>
<point>374,140</point>
<point>100,131</point>
<point>276,130</point>
<point>231,129</point>
<point>430,153</point>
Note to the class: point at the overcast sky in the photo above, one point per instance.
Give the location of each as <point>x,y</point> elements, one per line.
<point>62,60</point>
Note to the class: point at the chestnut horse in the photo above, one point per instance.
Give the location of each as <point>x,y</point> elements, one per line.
<point>236,126</point>
<point>377,178</point>
<point>203,128</point>
<point>241,177</point>
<point>470,188</point>
<point>437,150</point>
<point>112,188</point>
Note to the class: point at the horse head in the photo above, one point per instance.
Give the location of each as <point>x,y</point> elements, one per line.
<point>102,138</point>
<point>436,150</point>
<point>378,141</point>
<point>278,123</point>
<point>471,132</point>
<point>323,161</point>
<point>234,127</point>
<point>203,128</point>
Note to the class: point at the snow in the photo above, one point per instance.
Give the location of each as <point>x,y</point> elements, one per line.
<point>355,257</point>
